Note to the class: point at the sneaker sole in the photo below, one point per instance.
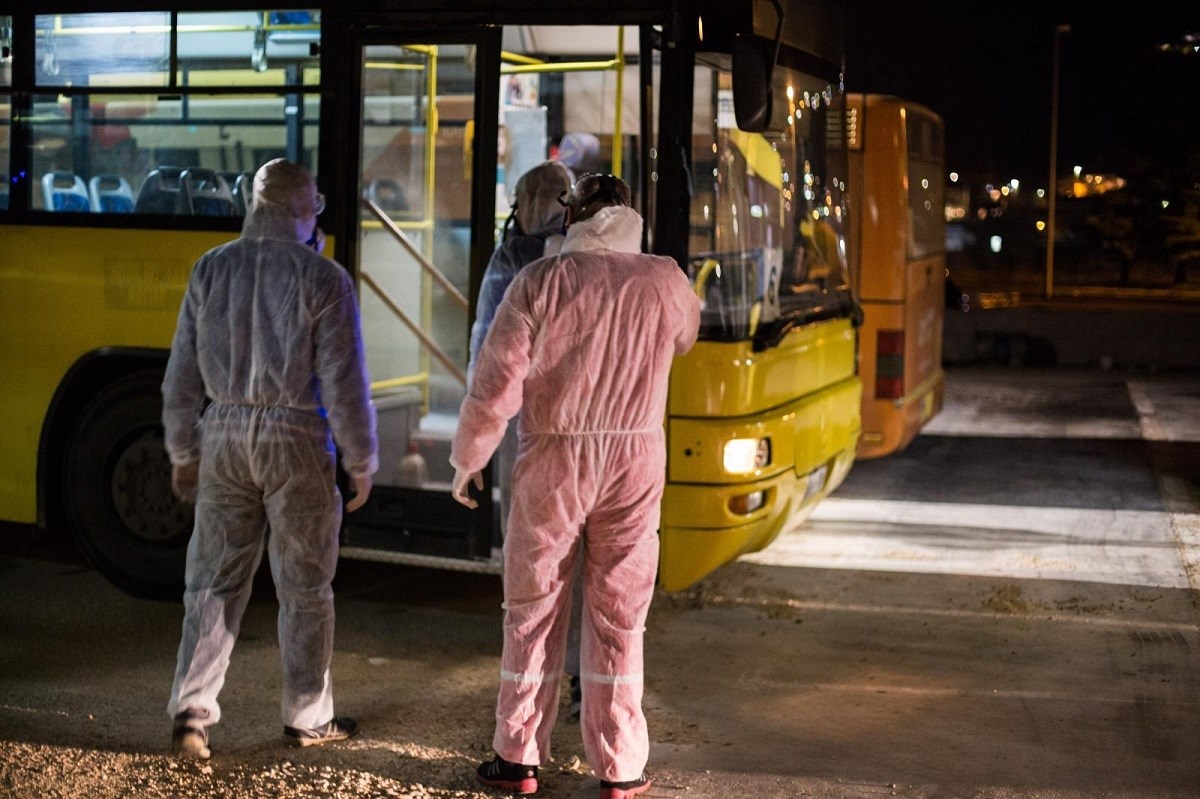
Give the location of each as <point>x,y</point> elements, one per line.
<point>305,742</point>
<point>521,787</point>
<point>624,793</point>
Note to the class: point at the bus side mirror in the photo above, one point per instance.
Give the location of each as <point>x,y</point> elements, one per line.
<point>751,83</point>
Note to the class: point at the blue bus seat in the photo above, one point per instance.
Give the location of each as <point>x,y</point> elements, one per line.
<point>64,191</point>
<point>202,192</point>
<point>111,194</point>
<point>159,192</point>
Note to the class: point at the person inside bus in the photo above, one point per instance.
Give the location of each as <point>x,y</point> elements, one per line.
<point>267,361</point>
<point>815,258</point>
<point>581,346</point>
<point>533,229</point>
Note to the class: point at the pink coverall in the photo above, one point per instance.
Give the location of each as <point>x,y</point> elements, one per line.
<point>582,346</point>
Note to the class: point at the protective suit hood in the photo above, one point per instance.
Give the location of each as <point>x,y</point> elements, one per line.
<point>281,188</point>
<point>616,227</point>
<point>538,211</point>
<point>269,221</point>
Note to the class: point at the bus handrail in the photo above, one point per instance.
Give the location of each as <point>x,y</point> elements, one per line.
<point>406,242</point>
<point>424,337</point>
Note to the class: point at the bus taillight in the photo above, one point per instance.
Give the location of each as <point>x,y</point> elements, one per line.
<point>889,364</point>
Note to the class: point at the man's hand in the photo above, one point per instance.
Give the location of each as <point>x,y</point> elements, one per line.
<point>184,480</point>
<point>459,488</point>
<point>362,489</point>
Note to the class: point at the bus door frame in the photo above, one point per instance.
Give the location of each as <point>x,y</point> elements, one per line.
<point>347,102</point>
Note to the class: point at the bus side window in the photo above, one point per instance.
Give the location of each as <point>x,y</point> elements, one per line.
<point>3,192</point>
<point>64,191</point>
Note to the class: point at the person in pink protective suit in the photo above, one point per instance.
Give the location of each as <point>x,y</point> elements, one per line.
<point>581,346</point>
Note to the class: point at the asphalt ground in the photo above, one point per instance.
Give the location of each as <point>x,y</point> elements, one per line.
<point>1008,608</point>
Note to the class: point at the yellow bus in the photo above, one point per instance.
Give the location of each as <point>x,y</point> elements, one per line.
<point>897,234</point>
<point>128,137</point>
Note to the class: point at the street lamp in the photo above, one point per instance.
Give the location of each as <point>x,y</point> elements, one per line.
<point>1058,32</point>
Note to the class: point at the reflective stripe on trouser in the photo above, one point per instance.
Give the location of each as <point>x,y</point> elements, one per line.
<point>598,496</point>
<point>260,468</point>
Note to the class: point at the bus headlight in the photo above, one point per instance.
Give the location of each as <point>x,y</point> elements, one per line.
<point>744,455</point>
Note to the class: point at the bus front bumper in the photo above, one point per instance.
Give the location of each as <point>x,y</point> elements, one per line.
<point>690,552</point>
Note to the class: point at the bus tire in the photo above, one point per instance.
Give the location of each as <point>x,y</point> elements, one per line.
<point>118,497</point>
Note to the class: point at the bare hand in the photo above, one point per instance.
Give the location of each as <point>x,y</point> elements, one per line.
<point>458,488</point>
<point>362,489</point>
<point>184,480</point>
<point>319,242</point>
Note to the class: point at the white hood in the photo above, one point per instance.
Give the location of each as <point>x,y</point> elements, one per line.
<point>616,227</point>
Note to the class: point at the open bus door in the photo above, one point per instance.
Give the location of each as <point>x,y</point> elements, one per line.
<point>421,233</point>
<point>446,130</point>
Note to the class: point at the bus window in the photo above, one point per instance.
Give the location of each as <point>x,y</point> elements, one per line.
<point>896,168</point>
<point>767,224</point>
<point>926,203</point>
<point>131,136</point>
<point>126,49</point>
<point>199,122</point>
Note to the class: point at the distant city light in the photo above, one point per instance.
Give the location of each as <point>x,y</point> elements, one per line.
<point>995,242</point>
<point>1041,225</point>
<point>1078,171</point>
<point>1014,184</point>
<point>954,177</point>
<point>1041,193</point>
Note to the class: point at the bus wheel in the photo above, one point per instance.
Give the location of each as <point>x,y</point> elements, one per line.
<point>118,490</point>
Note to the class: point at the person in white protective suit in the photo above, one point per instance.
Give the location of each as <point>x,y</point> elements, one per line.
<point>581,346</point>
<point>534,228</point>
<point>266,362</point>
<point>536,219</point>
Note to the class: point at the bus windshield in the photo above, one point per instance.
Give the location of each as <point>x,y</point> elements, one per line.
<point>767,247</point>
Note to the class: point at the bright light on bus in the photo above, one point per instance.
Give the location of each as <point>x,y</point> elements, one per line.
<point>744,455</point>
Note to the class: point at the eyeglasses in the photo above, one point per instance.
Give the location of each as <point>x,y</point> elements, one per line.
<point>319,204</point>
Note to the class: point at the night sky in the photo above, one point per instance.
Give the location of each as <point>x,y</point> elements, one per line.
<point>987,69</point>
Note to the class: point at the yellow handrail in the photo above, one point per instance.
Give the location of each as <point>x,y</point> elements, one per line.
<point>706,269</point>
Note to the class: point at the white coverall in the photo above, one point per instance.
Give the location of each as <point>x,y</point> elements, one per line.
<point>267,358</point>
<point>582,347</point>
